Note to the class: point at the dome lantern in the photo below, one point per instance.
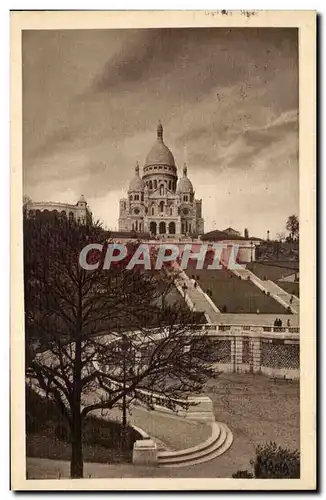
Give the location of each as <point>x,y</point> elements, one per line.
<point>160,131</point>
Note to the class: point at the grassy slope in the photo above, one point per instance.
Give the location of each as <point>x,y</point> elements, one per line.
<point>238,296</point>
<point>47,434</point>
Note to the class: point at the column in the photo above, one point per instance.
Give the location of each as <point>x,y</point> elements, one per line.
<point>256,349</point>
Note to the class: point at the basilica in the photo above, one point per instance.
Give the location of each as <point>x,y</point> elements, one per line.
<point>157,203</point>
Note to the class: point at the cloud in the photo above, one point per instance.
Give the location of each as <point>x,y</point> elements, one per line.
<point>228,100</point>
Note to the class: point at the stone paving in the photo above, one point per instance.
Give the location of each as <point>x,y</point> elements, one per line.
<point>256,319</point>
<point>176,433</point>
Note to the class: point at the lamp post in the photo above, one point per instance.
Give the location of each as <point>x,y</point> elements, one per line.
<point>251,248</point>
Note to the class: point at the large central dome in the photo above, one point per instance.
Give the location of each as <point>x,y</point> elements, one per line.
<point>160,153</point>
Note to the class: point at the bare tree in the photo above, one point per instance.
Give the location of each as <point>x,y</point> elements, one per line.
<point>98,337</point>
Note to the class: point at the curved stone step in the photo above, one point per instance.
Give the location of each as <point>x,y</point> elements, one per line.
<point>189,452</point>
<point>212,448</point>
<point>196,457</point>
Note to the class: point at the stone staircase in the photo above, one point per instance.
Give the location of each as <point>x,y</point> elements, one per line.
<point>217,444</point>
<point>198,299</point>
<point>276,292</point>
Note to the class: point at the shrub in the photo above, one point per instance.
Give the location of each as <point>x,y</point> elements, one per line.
<point>243,474</point>
<point>274,462</point>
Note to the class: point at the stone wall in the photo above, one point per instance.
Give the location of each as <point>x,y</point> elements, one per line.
<point>267,350</point>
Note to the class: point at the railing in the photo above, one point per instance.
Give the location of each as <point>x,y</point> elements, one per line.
<point>249,328</point>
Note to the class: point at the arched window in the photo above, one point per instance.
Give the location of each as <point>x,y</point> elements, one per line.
<point>150,185</point>
<point>170,185</point>
<point>155,184</point>
<point>172,228</point>
<point>171,210</point>
<point>161,189</point>
<point>152,227</point>
<point>162,227</point>
<point>161,206</point>
<point>153,210</point>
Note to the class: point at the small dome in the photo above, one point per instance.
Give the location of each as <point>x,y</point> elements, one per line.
<point>160,153</point>
<point>137,183</point>
<point>81,199</point>
<point>185,185</point>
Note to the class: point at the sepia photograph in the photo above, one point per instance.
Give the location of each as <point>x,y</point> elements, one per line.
<point>163,215</point>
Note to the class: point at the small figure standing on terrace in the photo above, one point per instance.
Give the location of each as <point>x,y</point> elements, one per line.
<point>288,323</point>
<point>291,299</point>
<point>195,284</point>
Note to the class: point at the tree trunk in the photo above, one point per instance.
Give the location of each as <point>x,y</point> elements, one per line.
<point>76,464</point>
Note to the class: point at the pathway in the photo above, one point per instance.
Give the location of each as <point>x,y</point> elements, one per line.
<point>171,431</point>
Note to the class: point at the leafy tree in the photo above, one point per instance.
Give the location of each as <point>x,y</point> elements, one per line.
<point>292,225</point>
<point>97,339</point>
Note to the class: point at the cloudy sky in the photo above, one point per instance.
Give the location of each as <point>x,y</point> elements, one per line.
<point>227,98</point>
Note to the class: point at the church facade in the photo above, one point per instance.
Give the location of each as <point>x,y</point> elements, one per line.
<point>157,203</point>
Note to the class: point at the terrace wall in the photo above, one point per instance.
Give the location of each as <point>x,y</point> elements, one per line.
<point>272,351</point>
